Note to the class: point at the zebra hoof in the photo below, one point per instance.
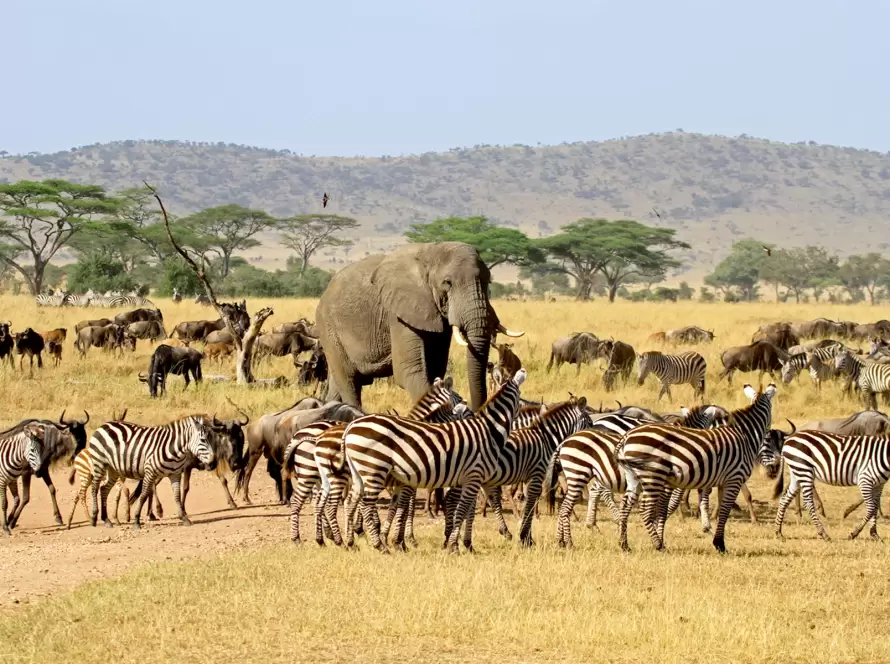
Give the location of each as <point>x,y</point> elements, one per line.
<point>706,529</point>
<point>59,521</point>
<point>6,532</point>
<point>186,521</point>
<point>507,535</point>
<point>136,525</point>
<point>233,506</point>
<point>719,545</point>
<point>412,542</point>
<point>320,541</point>
<point>401,547</point>
<point>528,542</point>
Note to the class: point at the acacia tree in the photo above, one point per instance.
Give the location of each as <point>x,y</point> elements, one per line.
<point>42,217</point>
<point>308,233</point>
<point>618,250</point>
<point>139,220</point>
<point>864,273</point>
<point>496,245</point>
<point>740,269</point>
<point>225,229</point>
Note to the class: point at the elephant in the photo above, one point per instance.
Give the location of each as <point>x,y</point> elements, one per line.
<point>393,315</point>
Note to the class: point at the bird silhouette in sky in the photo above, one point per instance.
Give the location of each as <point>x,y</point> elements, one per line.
<point>769,252</point>
<point>656,214</point>
<point>325,199</point>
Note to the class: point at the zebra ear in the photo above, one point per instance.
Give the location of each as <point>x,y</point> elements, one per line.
<point>448,383</point>
<point>750,392</point>
<point>685,411</point>
<point>581,402</point>
<point>437,382</point>
<point>543,410</point>
<point>770,390</point>
<point>519,377</point>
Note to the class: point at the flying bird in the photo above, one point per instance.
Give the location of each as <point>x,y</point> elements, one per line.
<point>769,252</point>
<point>656,214</point>
<point>325,199</point>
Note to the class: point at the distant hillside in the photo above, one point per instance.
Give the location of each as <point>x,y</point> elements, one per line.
<point>712,189</point>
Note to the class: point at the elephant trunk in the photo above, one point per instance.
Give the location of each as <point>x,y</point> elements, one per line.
<point>474,323</point>
<point>477,361</point>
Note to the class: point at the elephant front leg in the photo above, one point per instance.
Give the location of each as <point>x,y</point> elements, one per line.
<point>409,361</point>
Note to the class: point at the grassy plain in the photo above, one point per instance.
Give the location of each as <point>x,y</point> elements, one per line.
<point>799,600</point>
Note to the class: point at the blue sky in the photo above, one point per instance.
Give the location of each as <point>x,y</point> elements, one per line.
<point>407,76</point>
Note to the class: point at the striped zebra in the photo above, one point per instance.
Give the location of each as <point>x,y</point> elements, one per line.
<point>439,404</point>
<point>54,300</point>
<point>101,301</point>
<point>670,370</point>
<point>589,457</point>
<point>148,453</point>
<point>18,452</point>
<point>430,456</point>
<point>130,301</point>
<point>871,379</point>
<point>74,300</point>
<point>862,461</point>
<point>82,475</point>
<point>524,459</point>
<point>658,457</point>
<point>819,362</point>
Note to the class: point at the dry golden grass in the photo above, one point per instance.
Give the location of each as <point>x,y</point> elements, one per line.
<point>799,600</point>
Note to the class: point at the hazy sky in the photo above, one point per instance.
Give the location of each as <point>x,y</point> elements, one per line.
<point>403,76</point>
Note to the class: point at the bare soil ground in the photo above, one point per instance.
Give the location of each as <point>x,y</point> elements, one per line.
<point>41,559</point>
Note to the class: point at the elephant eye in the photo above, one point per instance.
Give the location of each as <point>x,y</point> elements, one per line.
<point>447,283</point>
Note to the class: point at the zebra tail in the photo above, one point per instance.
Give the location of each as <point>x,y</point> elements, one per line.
<point>288,466</point>
<point>551,479</point>
<point>779,487</point>
<point>72,475</point>
<point>134,495</point>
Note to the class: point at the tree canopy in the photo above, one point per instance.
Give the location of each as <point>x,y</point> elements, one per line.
<point>225,229</point>
<point>496,245</point>
<point>308,233</point>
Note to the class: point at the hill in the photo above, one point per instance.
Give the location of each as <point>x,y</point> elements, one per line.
<point>712,189</point>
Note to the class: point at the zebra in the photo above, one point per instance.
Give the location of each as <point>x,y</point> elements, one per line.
<point>101,301</point>
<point>19,451</point>
<point>149,453</point>
<point>814,360</point>
<point>589,456</point>
<point>524,459</point>
<point>47,300</point>
<point>687,367</point>
<point>439,404</point>
<point>870,378</point>
<point>130,301</point>
<point>419,454</point>
<point>83,474</point>
<point>862,461</point>
<point>74,300</point>
<point>656,457</point>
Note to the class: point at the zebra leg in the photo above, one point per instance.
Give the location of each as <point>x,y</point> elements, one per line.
<point>806,487</point>
<point>675,501</point>
<point>784,502</point>
<point>4,526</point>
<point>563,517</point>
<point>627,503</point>
<point>184,486</point>
<point>649,507</point>
<point>452,498</point>
<point>869,492</point>
<point>149,481</point>
<point>496,495</point>
<point>79,497</point>
<point>727,500</point>
<point>465,509</point>
<point>297,498</point>
<point>122,490</point>
<point>176,483</point>
<point>331,504</point>
<point>26,498</point>
<point>532,494</point>
<point>664,390</point>
<point>373,486</point>
<point>396,493</point>
<point>704,508</point>
<point>746,494</point>
<point>873,531</point>
<point>403,516</point>
<point>592,501</point>
<point>662,513</point>
<point>409,518</point>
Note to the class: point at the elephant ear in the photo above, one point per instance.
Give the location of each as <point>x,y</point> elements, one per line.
<point>405,293</point>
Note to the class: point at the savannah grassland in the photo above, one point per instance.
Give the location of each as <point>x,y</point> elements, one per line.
<point>801,600</point>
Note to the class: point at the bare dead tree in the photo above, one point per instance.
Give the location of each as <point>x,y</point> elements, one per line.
<point>244,331</point>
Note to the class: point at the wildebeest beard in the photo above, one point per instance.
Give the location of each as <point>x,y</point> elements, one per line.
<point>236,314</point>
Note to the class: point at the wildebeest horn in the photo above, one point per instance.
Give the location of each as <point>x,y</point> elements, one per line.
<point>503,330</point>
<point>143,378</point>
<point>122,416</point>
<point>62,417</point>
<point>246,416</point>
<point>86,412</point>
<point>793,428</point>
<point>619,403</point>
<point>458,337</point>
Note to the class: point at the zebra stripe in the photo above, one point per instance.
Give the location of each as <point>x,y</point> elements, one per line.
<point>18,452</point>
<point>657,457</point>
<point>814,361</point>
<point>420,454</point>
<point>130,301</point>
<point>126,450</point>
<point>73,300</point>
<point>82,475</point>
<point>862,461</point>
<point>525,458</point>
<point>870,378</point>
<point>44,300</point>
<point>670,370</point>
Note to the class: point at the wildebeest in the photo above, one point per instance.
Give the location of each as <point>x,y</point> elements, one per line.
<point>99,322</point>
<point>165,360</point>
<point>270,434</point>
<point>58,335</point>
<point>621,357</point>
<point>7,343</point>
<point>218,351</point>
<point>54,350</point>
<point>201,298</point>
<point>63,441</point>
<point>110,337</point>
<point>818,328</point>
<point>197,330</point>
<point>657,338</point>
<point>153,330</point>
<point>302,326</point>
<point>824,343</point>
<point>783,337</point>
<point>761,356</point>
<point>136,315</point>
<point>769,328</point>
<point>863,423</point>
<point>29,343</point>
<point>578,348</point>
<point>689,335</point>
<point>866,331</point>
<point>222,336</point>
<point>313,370</point>
<point>280,344</point>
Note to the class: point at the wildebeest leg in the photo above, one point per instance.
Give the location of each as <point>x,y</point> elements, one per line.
<point>44,475</point>
<point>26,498</point>
<point>251,464</point>
<point>225,485</point>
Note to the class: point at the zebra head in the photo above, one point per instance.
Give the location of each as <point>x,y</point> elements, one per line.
<point>462,411</point>
<point>34,452</point>
<point>199,442</point>
<point>646,364</point>
<point>791,368</point>
<point>770,455</point>
<point>844,361</point>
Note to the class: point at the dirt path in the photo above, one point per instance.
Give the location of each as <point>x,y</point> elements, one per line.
<point>40,559</point>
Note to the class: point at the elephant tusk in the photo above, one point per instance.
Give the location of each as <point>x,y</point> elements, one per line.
<point>503,330</point>
<point>458,337</point>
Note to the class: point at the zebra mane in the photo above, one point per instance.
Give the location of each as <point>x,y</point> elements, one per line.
<point>734,415</point>
<point>496,394</point>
